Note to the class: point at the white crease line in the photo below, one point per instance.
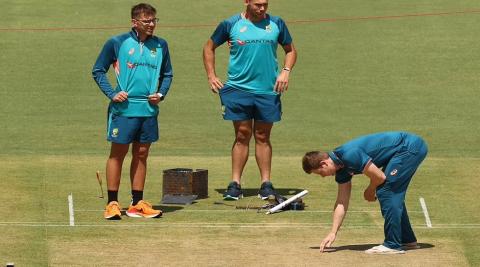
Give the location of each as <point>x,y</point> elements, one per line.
<point>455,227</point>
<point>70,210</point>
<point>253,209</point>
<point>455,224</point>
<point>425,212</point>
<point>36,223</point>
<point>226,225</point>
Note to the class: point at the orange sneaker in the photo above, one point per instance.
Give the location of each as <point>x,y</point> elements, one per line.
<point>143,209</point>
<point>112,211</point>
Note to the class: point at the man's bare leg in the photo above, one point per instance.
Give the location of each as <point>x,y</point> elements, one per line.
<point>138,166</point>
<point>240,148</point>
<point>263,149</point>
<point>114,165</point>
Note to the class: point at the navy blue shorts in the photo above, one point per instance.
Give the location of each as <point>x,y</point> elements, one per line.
<point>238,105</point>
<point>125,130</point>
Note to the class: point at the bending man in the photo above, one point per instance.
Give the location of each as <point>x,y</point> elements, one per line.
<point>398,154</point>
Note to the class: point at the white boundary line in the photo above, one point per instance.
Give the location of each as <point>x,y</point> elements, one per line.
<point>70,210</point>
<point>425,212</point>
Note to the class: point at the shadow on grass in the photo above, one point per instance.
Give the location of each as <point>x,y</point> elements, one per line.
<point>363,247</point>
<point>168,208</point>
<point>163,208</point>
<point>248,192</point>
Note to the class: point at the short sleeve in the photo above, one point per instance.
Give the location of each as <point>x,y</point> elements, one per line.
<point>343,176</point>
<point>221,33</point>
<point>356,159</point>
<point>284,37</point>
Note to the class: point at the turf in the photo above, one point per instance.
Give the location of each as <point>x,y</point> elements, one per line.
<point>363,66</point>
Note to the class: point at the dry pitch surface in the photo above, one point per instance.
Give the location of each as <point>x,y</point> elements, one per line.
<point>207,234</point>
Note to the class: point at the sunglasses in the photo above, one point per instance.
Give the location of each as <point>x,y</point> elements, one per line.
<point>148,21</point>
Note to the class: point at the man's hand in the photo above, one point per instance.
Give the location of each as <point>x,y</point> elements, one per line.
<point>209,63</point>
<point>215,84</point>
<point>377,177</point>
<point>327,241</point>
<point>369,194</point>
<point>120,97</point>
<point>281,85</point>
<point>154,99</point>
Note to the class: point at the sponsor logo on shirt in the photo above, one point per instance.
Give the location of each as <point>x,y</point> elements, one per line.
<point>134,65</point>
<point>132,50</point>
<point>394,172</point>
<point>243,29</point>
<point>259,41</point>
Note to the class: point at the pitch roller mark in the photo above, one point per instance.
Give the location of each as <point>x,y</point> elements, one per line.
<point>305,21</point>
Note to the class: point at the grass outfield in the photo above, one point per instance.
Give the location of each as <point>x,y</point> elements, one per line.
<point>373,65</point>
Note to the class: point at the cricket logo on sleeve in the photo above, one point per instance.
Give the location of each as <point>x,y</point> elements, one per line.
<point>132,50</point>
<point>243,29</point>
<point>394,172</point>
<point>115,132</point>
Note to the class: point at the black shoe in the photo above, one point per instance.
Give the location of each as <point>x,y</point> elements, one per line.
<point>266,191</point>
<point>234,192</point>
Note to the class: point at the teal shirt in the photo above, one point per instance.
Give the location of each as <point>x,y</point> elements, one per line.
<point>253,64</point>
<point>379,148</point>
<point>141,69</point>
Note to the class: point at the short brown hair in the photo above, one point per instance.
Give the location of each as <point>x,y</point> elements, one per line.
<point>312,159</point>
<point>142,8</point>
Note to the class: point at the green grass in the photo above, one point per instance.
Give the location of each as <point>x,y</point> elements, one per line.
<point>414,73</point>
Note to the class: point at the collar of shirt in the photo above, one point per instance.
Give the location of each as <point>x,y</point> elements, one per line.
<point>336,159</point>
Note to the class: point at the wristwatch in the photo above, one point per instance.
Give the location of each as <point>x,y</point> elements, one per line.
<point>161,96</point>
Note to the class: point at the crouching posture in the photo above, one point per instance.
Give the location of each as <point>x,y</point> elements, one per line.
<point>398,154</point>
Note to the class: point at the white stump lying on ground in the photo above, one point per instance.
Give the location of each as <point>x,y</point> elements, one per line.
<point>286,202</point>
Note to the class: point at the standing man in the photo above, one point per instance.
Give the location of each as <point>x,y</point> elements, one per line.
<point>251,96</point>
<point>398,154</point>
<point>142,67</point>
